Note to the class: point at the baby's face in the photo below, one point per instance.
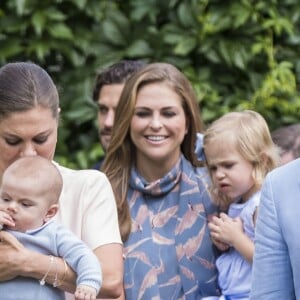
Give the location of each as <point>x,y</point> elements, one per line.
<point>24,202</point>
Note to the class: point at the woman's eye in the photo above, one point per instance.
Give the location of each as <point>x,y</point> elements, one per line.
<point>40,140</point>
<point>169,114</point>
<point>142,113</point>
<point>12,142</point>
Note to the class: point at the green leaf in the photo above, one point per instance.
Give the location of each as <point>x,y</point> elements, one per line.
<point>224,51</point>
<point>241,14</point>
<point>185,15</point>
<point>81,114</point>
<point>113,34</point>
<point>121,21</point>
<point>139,48</point>
<point>80,3</point>
<point>238,60</point>
<point>20,4</point>
<point>10,48</point>
<point>38,20</point>
<point>61,31</point>
<point>41,50</point>
<point>185,46</point>
<point>54,14</point>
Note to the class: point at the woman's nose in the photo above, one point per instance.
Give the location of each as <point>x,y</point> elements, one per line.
<point>28,150</point>
<point>156,123</point>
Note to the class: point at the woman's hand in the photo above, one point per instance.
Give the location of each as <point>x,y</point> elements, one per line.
<point>11,252</point>
<point>16,260</point>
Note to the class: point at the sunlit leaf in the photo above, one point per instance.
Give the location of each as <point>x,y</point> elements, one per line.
<point>185,46</point>
<point>38,22</point>
<point>60,31</point>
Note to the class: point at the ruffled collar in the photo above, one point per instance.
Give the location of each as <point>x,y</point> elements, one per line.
<point>158,187</point>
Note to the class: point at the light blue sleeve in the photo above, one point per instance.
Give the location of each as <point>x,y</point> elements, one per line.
<point>271,275</point>
<point>80,258</point>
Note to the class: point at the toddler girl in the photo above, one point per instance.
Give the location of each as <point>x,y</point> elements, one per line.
<point>239,152</point>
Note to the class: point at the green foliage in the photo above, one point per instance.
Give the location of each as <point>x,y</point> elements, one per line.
<point>238,54</point>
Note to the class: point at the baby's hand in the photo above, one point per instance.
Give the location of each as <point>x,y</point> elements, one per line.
<point>6,219</point>
<point>84,292</point>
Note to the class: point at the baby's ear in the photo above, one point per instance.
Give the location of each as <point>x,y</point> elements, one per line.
<point>51,212</point>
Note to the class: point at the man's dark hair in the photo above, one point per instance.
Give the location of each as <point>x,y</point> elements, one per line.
<point>115,74</point>
<point>288,139</point>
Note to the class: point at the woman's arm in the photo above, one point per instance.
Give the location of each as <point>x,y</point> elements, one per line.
<point>88,198</point>
<point>16,260</point>
<point>111,260</point>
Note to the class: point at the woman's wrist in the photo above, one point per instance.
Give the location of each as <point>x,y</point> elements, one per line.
<point>51,269</point>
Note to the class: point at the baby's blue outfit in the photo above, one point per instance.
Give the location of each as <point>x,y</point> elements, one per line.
<point>234,270</point>
<point>53,239</point>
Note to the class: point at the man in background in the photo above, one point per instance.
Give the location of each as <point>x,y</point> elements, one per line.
<point>107,90</point>
<point>287,138</point>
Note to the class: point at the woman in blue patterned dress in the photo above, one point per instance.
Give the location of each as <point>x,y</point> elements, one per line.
<point>163,203</point>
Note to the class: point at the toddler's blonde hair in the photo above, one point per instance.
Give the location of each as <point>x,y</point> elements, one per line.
<point>250,135</point>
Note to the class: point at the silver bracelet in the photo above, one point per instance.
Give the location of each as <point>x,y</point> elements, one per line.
<point>42,281</point>
<point>55,282</point>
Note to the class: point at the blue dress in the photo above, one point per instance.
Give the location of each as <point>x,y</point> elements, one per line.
<point>169,253</point>
<point>234,270</point>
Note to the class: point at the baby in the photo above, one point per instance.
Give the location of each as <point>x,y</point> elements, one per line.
<point>29,195</point>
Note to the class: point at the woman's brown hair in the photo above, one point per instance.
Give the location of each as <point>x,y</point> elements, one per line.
<point>121,152</point>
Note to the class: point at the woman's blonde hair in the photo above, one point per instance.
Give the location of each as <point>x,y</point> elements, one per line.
<point>250,135</point>
<point>121,153</point>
